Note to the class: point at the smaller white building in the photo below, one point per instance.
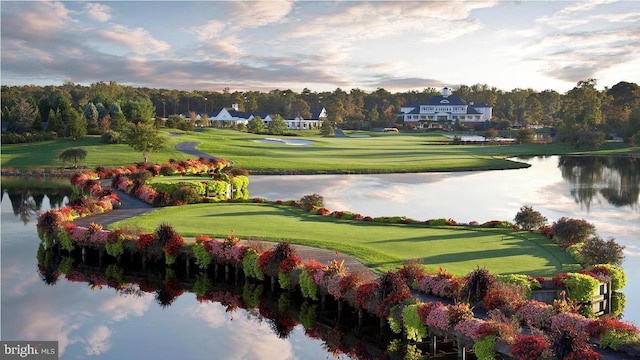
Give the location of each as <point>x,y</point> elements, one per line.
<point>445,110</point>
<point>237,117</point>
<point>318,115</point>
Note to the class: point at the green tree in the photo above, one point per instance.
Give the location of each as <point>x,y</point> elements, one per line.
<point>277,125</point>
<point>140,110</point>
<point>73,154</point>
<point>91,114</point>
<point>525,136</point>
<point>533,110</point>
<point>490,134</point>
<point>76,125</point>
<point>581,111</point>
<point>144,138</point>
<point>21,117</point>
<point>300,107</point>
<point>529,219</point>
<point>327,128</point>
<point>55,122</point>
<point>255,125</point>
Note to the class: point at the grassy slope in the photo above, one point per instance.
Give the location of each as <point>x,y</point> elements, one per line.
<point>381,247</point>
<point>378,153</point>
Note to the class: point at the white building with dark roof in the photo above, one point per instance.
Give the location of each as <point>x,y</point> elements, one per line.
<point>235,116</point>
<point>314,122</point>
<point>444,110</point>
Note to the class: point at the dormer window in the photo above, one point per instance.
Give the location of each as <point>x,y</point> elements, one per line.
<point>444,101</point>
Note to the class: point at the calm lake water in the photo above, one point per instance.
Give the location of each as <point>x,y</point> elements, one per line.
<point>93,322</point>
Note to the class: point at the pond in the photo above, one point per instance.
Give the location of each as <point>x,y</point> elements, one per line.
<point>90,318</point>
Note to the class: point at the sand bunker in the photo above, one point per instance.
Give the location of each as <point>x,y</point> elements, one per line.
<point>285,141</point>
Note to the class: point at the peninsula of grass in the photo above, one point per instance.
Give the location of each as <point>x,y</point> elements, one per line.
<point>379,246</point>
<point>361,153</point>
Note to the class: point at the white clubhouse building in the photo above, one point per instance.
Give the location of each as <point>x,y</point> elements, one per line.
<point>445,110</point>
<point>234,116</point>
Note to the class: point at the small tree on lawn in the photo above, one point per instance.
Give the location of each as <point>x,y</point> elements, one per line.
<point>144,138</point>
<point>73,154</point>
<point>529,219</point>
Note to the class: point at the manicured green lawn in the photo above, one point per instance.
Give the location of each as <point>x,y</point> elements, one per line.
<point>381,247</point>
<point>379,152</point>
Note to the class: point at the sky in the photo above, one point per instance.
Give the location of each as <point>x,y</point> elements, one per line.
<point>321,45</point>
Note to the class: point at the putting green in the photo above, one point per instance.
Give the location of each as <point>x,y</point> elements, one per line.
<point>379,246</point>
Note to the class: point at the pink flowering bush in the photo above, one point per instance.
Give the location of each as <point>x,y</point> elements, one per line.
<point>79,234</point>
<point>442,285</point>
<point>469,327</point>
<point>535,313</point>
<point>569,321</point>
<point>439,317</point>
<point>99,237</point>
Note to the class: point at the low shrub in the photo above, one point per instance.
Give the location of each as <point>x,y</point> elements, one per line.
<point>529,347</point>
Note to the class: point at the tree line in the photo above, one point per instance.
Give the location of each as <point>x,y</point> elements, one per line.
<point>583,116</point>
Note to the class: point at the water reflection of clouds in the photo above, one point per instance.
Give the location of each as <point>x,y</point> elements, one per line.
<point>98,341</point>
<point>119,307</point>
<point>245,336</point>
<point>40,320</point>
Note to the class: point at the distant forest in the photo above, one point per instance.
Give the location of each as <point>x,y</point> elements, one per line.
<point>583,115</point>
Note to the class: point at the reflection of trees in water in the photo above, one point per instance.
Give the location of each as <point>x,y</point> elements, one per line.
<point>616,179</point>
<point>26,203</point>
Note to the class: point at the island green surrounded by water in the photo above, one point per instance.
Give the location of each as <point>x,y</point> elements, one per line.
<point>380,246</point>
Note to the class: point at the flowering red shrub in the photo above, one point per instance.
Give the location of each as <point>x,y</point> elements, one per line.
<point>529,347</point>
<point>365,291</point>
<point>348,282</point>
<point>583,354</point>
<point>323,211</point>
<point>172,246</point>
<point>504,296</point>
<point>145,240</point>
<point>560,279</point>
<point>201,238</point>
<point>264,260</point>
<point>289,263</point>
<point>411,271</point>
<point>600,326</point>
<point>546,230</point>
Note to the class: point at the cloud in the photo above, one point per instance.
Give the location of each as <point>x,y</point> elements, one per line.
<point>40,322</point>
<point>570,16</point>
<point>98,12</point>
<point>212,314</point>
<point>582,55</point>
<point>433,20</point>
<point>98,341</point>
<point>137,40</point>
<point>402,84</point>
<point>254,14</point>
<point>120,307</point>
